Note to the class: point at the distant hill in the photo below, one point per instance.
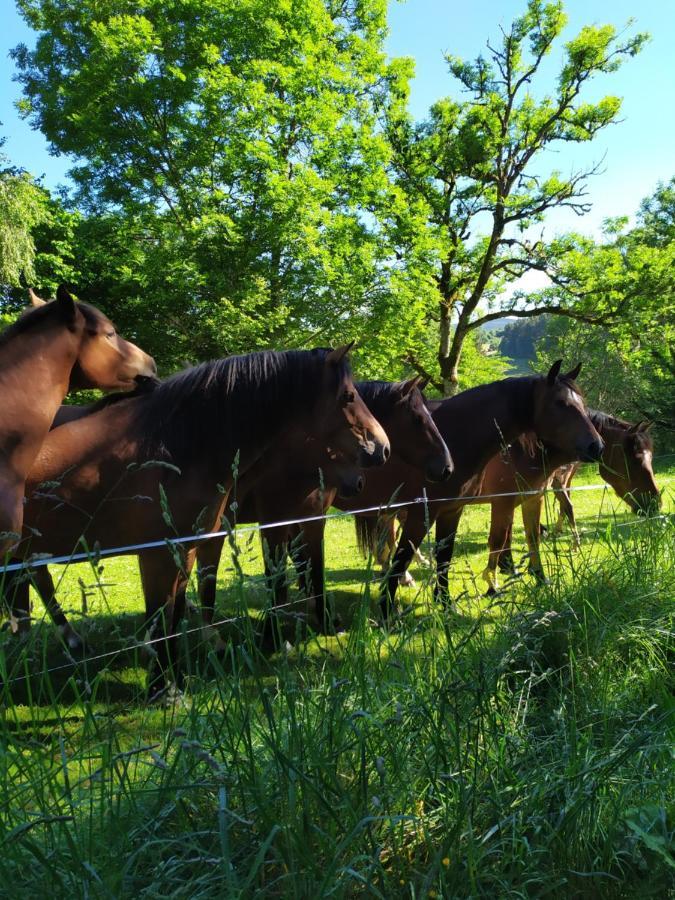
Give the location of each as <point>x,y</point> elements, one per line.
<point>498,324</point>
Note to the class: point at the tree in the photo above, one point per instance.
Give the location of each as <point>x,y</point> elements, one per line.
<point>519,338</point>
<point>22,208</point>
<point>236,143</point>
<point>480,161</point>
<point>627,279</point>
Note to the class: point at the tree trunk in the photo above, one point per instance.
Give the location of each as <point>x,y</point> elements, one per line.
<point>450,364</point>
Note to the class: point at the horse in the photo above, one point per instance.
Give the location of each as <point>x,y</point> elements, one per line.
<point>299,464</point>
<point>52,347</point>
<point>475,424</point>
<point>272,491</point>
<point>527,466</point>
<point>159,464</point>
<point>625,464</point>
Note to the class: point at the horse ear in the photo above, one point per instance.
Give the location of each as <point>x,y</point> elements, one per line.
<point>423,383</point>
<point>336,356</point>
<point>554,371</point>
<point>34,299</point>
<point>573,374</point>
<point>66,303</point>
<point>409,386</point>
<point>640,427</point>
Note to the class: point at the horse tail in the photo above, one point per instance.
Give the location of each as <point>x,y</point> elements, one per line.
<point>366,535</point>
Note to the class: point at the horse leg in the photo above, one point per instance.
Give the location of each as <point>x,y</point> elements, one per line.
<point>164,589</point>
<point>505,561</point>
<point>501,522</point>
<point>386,544</point>
<point>412,535</point>
<point>446,532</point>
<point>16,596</point>
<point>208,559</point>
<point>309,558</point>
<point>531,509</point>
<point>44,584</point>
<point>275,543</point>
<point>567,512</point>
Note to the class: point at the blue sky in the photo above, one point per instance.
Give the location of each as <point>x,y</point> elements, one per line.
<point>637,152</point>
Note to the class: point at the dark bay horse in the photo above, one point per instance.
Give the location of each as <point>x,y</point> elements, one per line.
<point>282,489</point>
<point>528,465</point>
<point>160,464</point>
<point>299,463</point>
<point>475,424</point>
<point>50,349</point>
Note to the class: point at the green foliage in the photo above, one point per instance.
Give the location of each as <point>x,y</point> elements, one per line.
<point>519,338</point>
<point>476,161</point>
<point>625,284</point>
<point>233,151</point>
<point>22,209</point>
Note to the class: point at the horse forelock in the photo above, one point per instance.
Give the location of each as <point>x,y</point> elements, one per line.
<point>379,395</point>
<point>93,316</point>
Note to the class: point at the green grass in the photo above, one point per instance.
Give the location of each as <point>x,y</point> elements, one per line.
<point>521,746</point>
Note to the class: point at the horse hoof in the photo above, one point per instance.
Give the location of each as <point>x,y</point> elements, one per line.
<point>166,696</point>
<point>406,580</point>
<point>73,642</point>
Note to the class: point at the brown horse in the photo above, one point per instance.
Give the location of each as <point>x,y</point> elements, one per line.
<point>159,464</point>
<point>625,464</point>
<point>528,465</point>
<point>475,424</point>
<point>50,349</point>
<point>276,491</point>
<point>298,461</point>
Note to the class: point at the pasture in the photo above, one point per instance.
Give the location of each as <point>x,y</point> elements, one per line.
<point>516,746</point>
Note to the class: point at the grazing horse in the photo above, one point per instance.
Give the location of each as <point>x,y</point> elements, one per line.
<point>528,465</point>
<point>159,464</point>
<point>274,491</point>
<point>625,464</point>
<point>50,349</point>
<point>475,424</point>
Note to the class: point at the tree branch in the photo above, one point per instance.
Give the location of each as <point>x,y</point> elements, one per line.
<point>412,361</point>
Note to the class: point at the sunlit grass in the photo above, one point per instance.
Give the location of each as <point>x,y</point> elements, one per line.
<point>520,746</point>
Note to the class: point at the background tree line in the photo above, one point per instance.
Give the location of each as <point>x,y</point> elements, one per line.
<point>247,174</point>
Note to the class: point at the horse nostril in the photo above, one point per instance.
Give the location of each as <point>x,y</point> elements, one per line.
<point>386,452</point>
<point>360,484</point>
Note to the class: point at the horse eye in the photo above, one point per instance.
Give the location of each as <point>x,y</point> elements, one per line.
<point>110,334</point>
<point>348,397</point>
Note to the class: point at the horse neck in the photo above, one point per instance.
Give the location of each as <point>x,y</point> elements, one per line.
<point>477,423</point>
<point>35,373</point>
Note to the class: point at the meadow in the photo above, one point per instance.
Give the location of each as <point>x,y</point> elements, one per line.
<point>514,746</point>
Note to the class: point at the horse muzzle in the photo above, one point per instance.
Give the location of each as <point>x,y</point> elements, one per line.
<point>590,452</point>
<point>351,486</point>
<point>374,453</point>
<point>440,469</point>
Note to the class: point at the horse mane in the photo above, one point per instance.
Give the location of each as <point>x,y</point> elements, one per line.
<point>36,315</point>
<point>209,403</point>
<point>377,395</point>
<point>142,388</point>
<point>30,318</point>
<point>602,420</point>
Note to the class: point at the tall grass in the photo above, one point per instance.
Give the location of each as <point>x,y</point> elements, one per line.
<point>521,747</point>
